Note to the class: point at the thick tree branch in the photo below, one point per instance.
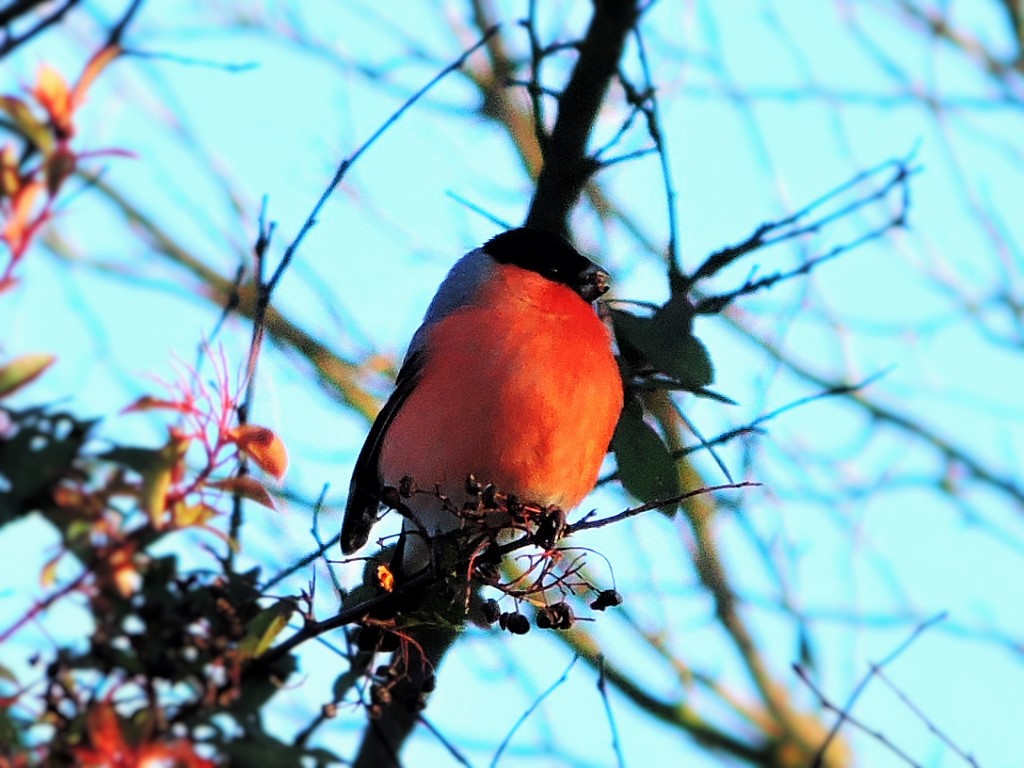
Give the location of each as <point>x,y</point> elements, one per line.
<point>567,166</point>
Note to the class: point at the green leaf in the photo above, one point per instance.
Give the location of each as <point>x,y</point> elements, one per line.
<point>678,352</point>
<point>36,454</point>
<point>11,730</point>
<point>156,480</point>
<point>665,342</point>
<point>646,467</point>
<point>256,692</point>
<point>22,370</point>
<point>347,680</point>
<point>139,459</point>
<point>631,334</point>
<point>263,628</point>
<point>27,124</point>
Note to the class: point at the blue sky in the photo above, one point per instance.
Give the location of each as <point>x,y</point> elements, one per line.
<point>849,512</point>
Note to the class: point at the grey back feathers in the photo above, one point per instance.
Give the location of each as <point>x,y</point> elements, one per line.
<point>458,290</point>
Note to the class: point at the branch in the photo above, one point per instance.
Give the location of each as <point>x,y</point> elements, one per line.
<point>949,450</point>
<point>347,163</point>
<point>531,709</point>
<point>679,714</point>
<point>876,669</point>
<point>602,688</point>
<point>586,524</point>
<point>567,167</point>
<point>795,225</point>
<point>12,42</point>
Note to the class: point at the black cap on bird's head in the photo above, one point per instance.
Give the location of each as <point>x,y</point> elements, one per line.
<point>549,255</point>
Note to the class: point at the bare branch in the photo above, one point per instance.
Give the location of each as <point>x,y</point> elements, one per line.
<point>567,166</point>
<point>844,712</point>
<point>347,163</point>
<point>531,709</point>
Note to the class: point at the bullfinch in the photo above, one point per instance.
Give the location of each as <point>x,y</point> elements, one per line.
<point>510,378</point>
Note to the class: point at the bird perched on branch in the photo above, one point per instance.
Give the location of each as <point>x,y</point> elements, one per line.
<point>510,378</point>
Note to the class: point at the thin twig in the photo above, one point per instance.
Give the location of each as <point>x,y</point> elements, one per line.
<point>191,61</point>
<point>651,112</point>
<point>844,713</point>
<point>315,531</point>
<point>602,687</point>
<point>479,210</point>
<point>878,736</point>
<point>932,728</point>
<point>302,562</point>
<point>762,236</point>
<point>532,708</point>
<point>445,742</point>
<point>347,163</point>
<point>117,31</point>
<point>263,239</point>
<point>754,426</point>
<point>13,42</point>
<point>587,524</point>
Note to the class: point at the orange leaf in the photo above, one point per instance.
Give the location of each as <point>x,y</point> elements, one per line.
<point>49,575</point>
<point>248,487</point>
<point>263,446</point>
<point>51,91</point>
<point>385,578</point>
<point>96,65</point>
<point>19,226</point>
<point>22,370</point>
<point>10,178</point>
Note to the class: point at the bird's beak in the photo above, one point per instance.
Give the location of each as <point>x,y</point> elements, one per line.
<point>592,282</point>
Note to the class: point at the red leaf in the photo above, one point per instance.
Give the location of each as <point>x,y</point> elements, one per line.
<point>21,224</point>
<point>150,403</point>
<point>104,731</point>
<point>248,487</point>
<point>58,167</point>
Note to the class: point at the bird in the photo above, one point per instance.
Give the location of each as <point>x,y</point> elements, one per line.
<point>511,378</point>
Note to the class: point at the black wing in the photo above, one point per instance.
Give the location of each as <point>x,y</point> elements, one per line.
<point>365,489</point>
